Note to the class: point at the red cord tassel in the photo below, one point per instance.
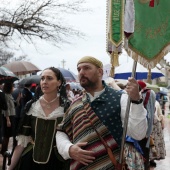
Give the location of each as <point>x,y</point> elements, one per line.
<point>151,4</point>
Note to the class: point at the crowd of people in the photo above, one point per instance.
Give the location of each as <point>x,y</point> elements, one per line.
<point>56,127</point>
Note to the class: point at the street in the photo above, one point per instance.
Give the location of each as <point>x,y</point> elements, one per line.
<point>162,164</point>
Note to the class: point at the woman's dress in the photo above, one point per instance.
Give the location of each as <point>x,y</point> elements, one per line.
<point>157,135</point>
<point>37,134</point>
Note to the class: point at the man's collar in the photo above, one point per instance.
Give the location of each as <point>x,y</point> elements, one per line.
<point>98,93</point>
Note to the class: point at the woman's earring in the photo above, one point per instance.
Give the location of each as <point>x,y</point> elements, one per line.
<point>58,93</point>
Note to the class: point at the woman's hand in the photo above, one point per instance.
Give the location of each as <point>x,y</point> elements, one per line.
<point>8,122</point>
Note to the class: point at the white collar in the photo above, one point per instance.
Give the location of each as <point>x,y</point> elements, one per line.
<point>96,94</point>
<point>37,111</point>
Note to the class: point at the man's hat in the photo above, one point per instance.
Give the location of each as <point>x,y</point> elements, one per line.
<point>92,60</point>
<point>141,84</point>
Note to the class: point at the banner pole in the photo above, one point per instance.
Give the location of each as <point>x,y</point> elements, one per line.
<point>121,157</point>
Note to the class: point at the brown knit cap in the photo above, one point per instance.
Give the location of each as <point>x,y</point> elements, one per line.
<point>92,60</point>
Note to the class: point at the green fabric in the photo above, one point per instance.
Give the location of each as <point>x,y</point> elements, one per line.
<point>27,149</point>
<point>116,20</point>
<point>152,29</point>
<point>25,125</point>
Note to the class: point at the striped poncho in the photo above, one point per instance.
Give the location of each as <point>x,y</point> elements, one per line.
<point>78,127</point>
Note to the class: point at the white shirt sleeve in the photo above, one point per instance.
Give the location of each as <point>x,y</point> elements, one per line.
<point>137,123</point>
<point>23,140</point>
<point>63,144</point>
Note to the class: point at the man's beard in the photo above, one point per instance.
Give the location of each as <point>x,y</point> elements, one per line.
<point>87,83</point>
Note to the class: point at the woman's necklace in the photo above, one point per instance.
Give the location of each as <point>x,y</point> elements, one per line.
<point>48,106</point>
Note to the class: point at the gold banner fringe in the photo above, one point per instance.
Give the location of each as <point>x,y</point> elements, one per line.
<point>148,63</point>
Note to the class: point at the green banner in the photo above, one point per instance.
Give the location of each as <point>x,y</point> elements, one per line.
<point>116,21</point>
<point>151,37</point>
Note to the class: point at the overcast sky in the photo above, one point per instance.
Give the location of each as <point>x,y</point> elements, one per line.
<point>93,24</point>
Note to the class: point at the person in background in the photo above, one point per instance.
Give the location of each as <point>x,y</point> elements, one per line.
<point>122,86</point>
<point>16,94</point>
<point>33,88</point>
<point>8,118</point>
<point>36,144</point>
<point>162,103</point>
<point>70,93</point>
<point>26,96</point>
<point>149,98</point>
<point>38,92</point>
<point>158,136</point>
<point>3,106</point>
<point>91,132</point>
<point>111,82</point>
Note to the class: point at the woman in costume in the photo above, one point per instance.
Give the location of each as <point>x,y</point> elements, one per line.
<point>159,151</point>
<point>36,144</point>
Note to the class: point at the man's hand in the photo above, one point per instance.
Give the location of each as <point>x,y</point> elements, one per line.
<point>78,154</point>
<point>132,89</point>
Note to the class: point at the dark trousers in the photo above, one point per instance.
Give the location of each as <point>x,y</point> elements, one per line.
<point>7,133</point>
<point>145,150</point>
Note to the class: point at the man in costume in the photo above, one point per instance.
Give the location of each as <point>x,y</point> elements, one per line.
<point>93,124</point>
<point>149,98</point>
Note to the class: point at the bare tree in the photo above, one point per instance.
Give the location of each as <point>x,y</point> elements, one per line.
<point>7,57</point>
<point>20,58</point>
<point>45,19</point>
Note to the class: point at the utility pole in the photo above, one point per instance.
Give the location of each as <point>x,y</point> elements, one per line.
<point>63,62</point>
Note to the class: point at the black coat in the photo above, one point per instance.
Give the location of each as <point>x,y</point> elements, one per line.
<point>3,106</point>
<point>26,96</point>
<point>3,103</point>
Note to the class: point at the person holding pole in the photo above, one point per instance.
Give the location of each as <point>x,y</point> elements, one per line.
<point>91,131</point>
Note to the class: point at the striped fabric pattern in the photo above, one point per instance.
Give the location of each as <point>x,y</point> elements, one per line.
<point>78,127</point>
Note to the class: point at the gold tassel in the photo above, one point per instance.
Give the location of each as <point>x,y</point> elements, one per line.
<point>112,71</point>
<point>114,61</point>
<point>149,76</point>
<point>114,58</point>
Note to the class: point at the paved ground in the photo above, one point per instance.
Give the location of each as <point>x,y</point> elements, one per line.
<point>165,164</point>
<point>162,164</point>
